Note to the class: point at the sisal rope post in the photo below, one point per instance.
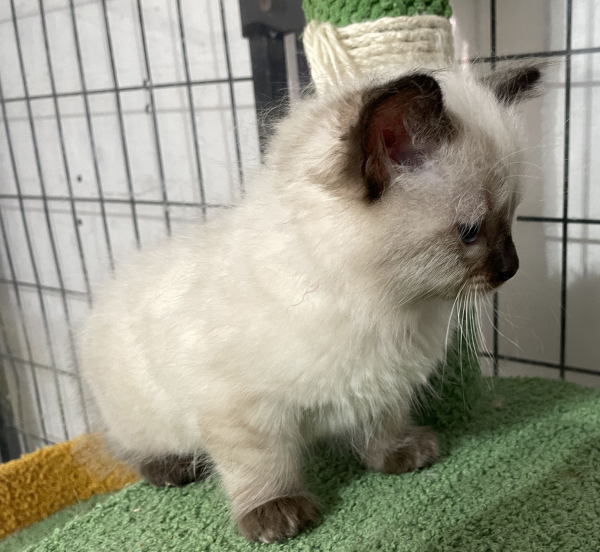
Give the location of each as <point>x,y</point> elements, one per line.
<point>380,47</point>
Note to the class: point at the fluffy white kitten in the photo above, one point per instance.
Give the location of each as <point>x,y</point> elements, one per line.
<point>320,304</point>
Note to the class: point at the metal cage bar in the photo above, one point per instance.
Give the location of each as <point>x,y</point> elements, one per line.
<point>113,68</point>
<point>236,132</point>
<point>495,312</point>
<point>159,154</point>
<point>190,96</point>
<point>90,132</point>
<point>565,197</point>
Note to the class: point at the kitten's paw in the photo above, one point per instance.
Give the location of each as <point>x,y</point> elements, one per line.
<point>417,448</point>
<point>278,519</point>
<point>174,470</point>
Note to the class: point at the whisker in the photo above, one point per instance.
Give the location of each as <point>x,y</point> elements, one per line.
<point>503,335</point>
<point>457,298</point>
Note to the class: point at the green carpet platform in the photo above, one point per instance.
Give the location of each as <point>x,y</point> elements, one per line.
<point>522,475</point>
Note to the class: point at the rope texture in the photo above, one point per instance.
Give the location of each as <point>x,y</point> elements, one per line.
<point>345,12</point>
<point>381,47</point>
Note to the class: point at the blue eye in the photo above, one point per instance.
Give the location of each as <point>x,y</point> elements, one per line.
<point>469,232</point>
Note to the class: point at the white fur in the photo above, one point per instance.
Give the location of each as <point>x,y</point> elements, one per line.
<point>303,312</point>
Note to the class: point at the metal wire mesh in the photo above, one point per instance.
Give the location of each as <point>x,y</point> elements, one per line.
<point>565,220</point>
<point>57,238</point>
<point>29,404</point>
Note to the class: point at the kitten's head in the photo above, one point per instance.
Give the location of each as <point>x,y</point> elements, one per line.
<point>427,164</point>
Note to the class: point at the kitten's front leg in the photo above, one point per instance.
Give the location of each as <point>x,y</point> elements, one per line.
<point>400,448</point>
<point>262,476</point>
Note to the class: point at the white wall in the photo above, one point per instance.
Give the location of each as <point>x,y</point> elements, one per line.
<point>38,365</point>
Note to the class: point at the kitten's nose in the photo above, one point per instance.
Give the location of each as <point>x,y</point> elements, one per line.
<point>505,261</point>
<point>508,274</point>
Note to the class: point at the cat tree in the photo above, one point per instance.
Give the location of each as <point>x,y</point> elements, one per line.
<point>345,39</point>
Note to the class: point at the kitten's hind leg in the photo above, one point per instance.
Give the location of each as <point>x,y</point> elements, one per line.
<point>174,470</point>
<point>401,449</point>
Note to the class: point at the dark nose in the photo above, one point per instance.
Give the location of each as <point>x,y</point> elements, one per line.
<point>505,260</point>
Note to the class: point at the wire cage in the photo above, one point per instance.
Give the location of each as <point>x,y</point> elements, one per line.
<point>122,121</point>
<point>557,224</point>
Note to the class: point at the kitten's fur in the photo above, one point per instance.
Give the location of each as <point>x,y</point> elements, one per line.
<point>317,306</point>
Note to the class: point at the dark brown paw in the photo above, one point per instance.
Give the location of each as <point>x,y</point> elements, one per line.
<point>417,448</point>
<point>278,519</point>
<point>173,470</point>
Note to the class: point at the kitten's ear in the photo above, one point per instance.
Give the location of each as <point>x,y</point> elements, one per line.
<point>515,84</point>
<point>400,124</point>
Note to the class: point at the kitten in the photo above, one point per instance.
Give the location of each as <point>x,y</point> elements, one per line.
<point>319,305</point>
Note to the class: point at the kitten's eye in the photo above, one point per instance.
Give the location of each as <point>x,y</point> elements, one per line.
<point>469,232</point>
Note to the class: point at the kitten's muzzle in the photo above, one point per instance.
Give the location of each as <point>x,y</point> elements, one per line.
<point>503,261</point>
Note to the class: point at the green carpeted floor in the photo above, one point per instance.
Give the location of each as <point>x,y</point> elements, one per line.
<point>523,476</point>
<point>26,539</point>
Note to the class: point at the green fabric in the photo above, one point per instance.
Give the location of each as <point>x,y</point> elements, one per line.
<point>25,539</point>
<point>344,12</point>
<point>521,476</point>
